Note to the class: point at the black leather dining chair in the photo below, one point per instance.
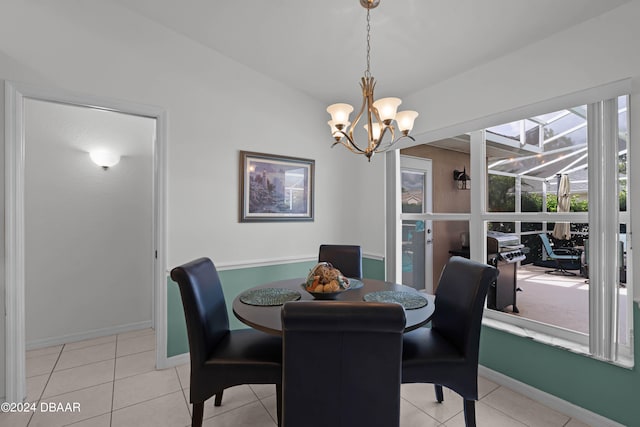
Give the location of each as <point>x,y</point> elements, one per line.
<point>346,258</point>
<point>221,358</point>
<point>341,363</point>
<point>447,353</point>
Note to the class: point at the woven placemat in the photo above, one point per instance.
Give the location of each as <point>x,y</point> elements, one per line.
<point>269,296</point>
<point>409,300</point>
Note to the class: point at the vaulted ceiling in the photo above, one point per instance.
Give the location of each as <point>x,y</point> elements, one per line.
<point>319,46</point>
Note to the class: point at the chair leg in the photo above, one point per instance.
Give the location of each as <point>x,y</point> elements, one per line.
<point>218,399</point>
<point>279,403</point>
<point>198,412</point>
<point>563,270</point>
<point>439,394</point>
<point>469,413</point>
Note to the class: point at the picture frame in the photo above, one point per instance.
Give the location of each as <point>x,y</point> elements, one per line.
<point>275,188</point>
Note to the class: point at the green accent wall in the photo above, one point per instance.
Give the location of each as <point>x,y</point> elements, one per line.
<point>597,386</point>
<point>177,341</point>
<point>373,268</point>
<point>235,282</point>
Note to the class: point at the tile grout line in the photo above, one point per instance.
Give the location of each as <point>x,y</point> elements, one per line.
<point>85,364</point>
<point>47,383</point>
<point>502,412</point>
<point>233,409</point>
<point>145,401</point>
<point>139,373</point>
<point>263,405</point>
<point>114,357</point>
<point>113,384</point>
<point>107,359</point>
<point>427,414</point>
<point>182,388</point>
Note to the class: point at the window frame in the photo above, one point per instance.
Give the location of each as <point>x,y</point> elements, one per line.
<point>601,343</point>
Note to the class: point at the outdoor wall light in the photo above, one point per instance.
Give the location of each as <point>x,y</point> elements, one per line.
<point>105,159</point>
<point>463,182</point>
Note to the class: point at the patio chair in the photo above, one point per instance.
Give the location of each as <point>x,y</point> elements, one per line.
<point>563,257</point>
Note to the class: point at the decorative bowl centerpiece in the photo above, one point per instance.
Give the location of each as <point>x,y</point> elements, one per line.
<point>325,282</point>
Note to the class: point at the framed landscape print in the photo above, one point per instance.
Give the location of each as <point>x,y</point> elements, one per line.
<point>275,188</point>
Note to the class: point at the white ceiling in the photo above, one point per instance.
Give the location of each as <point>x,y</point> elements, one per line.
<point>319,46</point>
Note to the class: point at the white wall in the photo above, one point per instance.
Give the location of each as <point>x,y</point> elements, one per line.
<point>596,52</point>
<point>215,108</point>
<point>88,232</point>
<point>599,51</point>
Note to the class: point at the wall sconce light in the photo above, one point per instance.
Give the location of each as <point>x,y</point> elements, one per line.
<point>104,159</point>
<point>463,181</point>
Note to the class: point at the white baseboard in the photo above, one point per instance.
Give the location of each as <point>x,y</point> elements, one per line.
<point>547,399</point>
<point>174,361</point>
<point>95,333</point>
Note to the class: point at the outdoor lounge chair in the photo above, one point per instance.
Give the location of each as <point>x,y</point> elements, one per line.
<point>563,257</point>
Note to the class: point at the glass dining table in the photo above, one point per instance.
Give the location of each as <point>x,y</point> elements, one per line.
<point>260,307</point>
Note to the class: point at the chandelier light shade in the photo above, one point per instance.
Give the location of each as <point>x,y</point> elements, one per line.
<point>379,116</point>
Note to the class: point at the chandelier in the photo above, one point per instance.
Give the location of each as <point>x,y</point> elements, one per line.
<point>379,115</point>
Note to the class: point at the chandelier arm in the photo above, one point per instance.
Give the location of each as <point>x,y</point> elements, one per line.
<point>350,143</point>
<point>349,136</point>
<point>392,143</point>
<point>363,85</point>
<point>349,147</point>
<point>384,130</point>
<point>373,109</point>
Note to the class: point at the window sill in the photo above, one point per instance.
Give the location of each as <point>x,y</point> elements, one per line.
<point>493,320</point>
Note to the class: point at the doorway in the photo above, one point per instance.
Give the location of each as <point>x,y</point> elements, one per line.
<point>417,233</point>
<point>88,234</point>
<point>19,98</point>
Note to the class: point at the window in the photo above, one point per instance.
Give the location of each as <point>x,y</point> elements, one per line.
<point>561,174</point>
<point>569,187</point>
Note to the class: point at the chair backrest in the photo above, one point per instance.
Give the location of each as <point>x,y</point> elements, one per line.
<point>341,363</point>
<point>346,258</point>
<point>546,244</point>
<point>459,303</point>
<point>204,307</point>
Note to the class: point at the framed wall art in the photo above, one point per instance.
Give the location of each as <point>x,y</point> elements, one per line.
<point>275,188</point>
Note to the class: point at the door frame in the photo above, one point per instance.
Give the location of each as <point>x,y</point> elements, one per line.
<point>15,337</point>
<point>394,215</point>
<point>419,164</point>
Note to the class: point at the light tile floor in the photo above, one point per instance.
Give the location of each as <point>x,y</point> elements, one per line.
<point>114,381</point>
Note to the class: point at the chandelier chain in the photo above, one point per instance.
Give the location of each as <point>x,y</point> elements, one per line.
<point>367,73</point>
